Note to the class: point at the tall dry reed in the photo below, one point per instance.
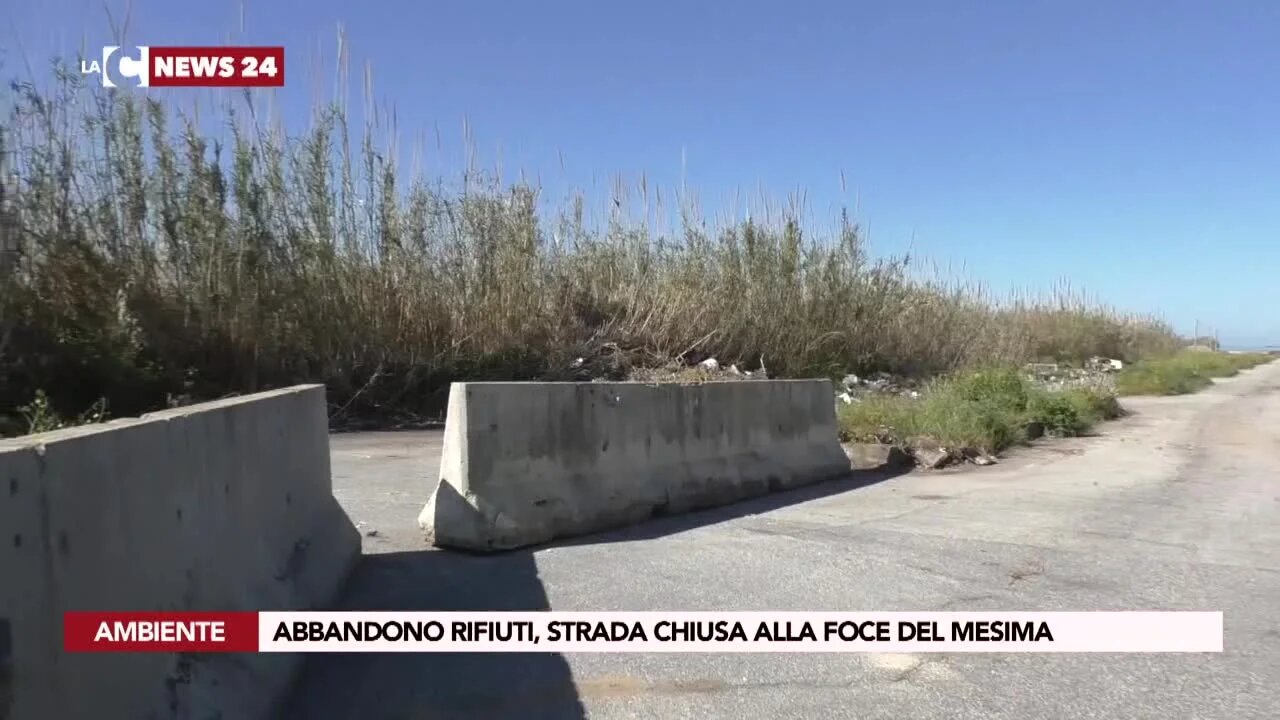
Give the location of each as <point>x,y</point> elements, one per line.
<point>160,262</point>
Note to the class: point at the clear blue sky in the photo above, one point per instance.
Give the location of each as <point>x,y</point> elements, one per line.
<point>1132,147</point>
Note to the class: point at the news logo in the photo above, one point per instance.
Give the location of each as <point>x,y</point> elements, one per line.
<point>190,66</point>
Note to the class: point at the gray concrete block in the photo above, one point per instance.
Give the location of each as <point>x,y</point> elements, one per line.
<point>223,506</point>
<point>524,463</point>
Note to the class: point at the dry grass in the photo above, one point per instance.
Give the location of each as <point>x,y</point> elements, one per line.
<point>159,264</point>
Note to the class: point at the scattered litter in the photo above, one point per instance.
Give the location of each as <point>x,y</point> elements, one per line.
<point>1102,364</point>
<point>1097,374</point>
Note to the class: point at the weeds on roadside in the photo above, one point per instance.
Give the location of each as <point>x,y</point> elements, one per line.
<point>986,410</point>
<point>1185,372</point>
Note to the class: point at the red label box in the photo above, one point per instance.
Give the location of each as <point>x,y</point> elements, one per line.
<point>189,66</point>
<point>160,632</point>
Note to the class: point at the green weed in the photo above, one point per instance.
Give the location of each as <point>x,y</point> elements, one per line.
<point>987,410</point>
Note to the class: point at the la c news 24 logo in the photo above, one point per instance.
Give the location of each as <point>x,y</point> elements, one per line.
<point>189,66</point>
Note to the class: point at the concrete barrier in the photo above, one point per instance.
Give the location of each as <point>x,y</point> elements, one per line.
<point>221,506</point>
<point>524,463</point>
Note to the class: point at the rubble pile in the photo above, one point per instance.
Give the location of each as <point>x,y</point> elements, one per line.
<point>853,388</point>
<point>1097,374</point>
<point>707,370</point>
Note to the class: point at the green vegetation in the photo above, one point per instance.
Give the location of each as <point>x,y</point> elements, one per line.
<point>987,410</point>
<point>1160,377</point>
<point>167,256</point>
<point>1094,405</point>
<point>990,410</point>
<point>41,417</point>
<point>1184,372</point>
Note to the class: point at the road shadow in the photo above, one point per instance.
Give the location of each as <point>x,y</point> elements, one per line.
<point>396,686</point>
<point>389,686</point>
<point>662,525</point>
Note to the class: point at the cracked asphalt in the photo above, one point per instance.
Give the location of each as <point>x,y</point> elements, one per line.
<point>1174,507</point>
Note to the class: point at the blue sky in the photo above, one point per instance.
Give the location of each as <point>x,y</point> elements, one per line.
<point>1132,148</point>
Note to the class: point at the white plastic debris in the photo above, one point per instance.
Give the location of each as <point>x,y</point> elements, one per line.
<point>710,364</point>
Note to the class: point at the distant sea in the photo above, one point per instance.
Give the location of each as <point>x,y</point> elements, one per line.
<point>1251,348</point>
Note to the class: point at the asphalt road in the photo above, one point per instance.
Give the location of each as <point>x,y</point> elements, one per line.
<point>1175,507</point>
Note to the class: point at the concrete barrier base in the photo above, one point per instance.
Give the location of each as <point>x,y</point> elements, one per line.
<point>524,463</point>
